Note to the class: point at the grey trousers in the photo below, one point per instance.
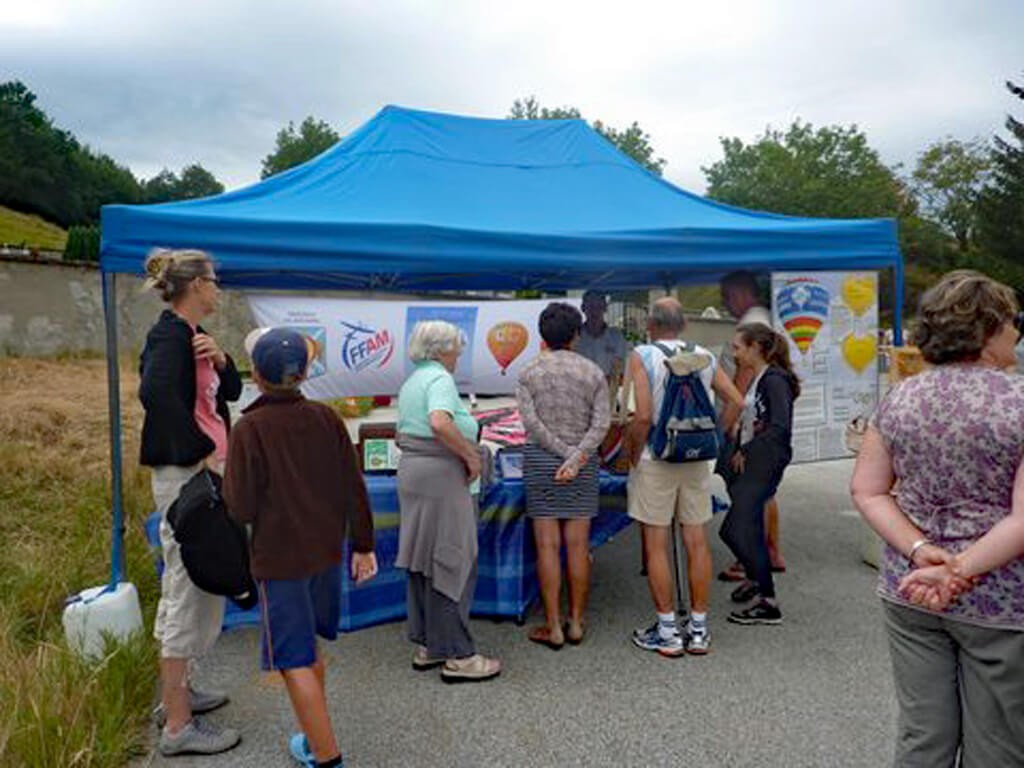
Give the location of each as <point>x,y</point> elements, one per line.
<point>960,687</point>
<point>437,621</point>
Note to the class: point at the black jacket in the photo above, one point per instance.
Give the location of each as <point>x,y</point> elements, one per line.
<point>167,389</point>
<point>773,414</point>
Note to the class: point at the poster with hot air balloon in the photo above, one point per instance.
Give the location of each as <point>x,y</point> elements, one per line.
<point>802,305</point>
<point>830,320</point>
<point>507,340</point>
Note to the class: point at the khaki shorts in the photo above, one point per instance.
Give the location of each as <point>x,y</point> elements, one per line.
<point>658,491</point>
<point>188,620</point>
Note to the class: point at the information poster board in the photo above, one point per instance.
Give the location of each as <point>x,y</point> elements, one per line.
<point>831,322</point>
<point>363,344</point>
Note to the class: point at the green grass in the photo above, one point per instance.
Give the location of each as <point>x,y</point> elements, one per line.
<point>55,708</point>
<point>26,230</point>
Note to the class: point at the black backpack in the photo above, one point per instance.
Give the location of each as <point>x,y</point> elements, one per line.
<point>214,547</point>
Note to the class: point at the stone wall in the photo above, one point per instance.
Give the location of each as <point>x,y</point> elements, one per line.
<point>54,308</point>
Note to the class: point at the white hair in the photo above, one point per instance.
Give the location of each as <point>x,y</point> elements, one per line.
<point>431,338</point>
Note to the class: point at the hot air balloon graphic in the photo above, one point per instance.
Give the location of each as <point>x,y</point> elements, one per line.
<point>802,306</point>
<point>507,340</point>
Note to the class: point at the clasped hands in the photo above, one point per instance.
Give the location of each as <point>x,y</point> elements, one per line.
<point>364,566</point>
<point>937,581</point>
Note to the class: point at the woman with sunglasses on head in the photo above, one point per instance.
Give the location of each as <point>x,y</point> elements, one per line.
<point>940,477</point>
<point>186,383</point>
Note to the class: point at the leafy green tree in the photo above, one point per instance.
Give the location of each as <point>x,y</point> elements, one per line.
<point>37,160</point>
<point>1001,206</point>
<point>194,181</point>
<point>632,141</point>
<point>828,172</point>
<point>296,147</point>
<point>948,180</point>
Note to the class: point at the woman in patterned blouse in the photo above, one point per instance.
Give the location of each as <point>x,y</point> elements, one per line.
<point>939,477</point>
<point>563,400</point>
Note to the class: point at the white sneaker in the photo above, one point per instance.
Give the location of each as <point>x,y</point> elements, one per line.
<point>698,643</point>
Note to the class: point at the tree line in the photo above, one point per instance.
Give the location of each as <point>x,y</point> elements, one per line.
<point>45,170</point>
<point>961,204</point>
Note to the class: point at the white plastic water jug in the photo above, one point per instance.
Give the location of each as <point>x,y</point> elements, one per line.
<point>100,610</point>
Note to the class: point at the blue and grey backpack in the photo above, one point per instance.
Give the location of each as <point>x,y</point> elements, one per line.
<point>686,429</point>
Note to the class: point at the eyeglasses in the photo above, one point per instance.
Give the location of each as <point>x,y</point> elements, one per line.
<point>1018,323</point>
<point>208,279</point>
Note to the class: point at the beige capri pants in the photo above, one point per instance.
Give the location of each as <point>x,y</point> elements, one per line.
<point>188,620</point>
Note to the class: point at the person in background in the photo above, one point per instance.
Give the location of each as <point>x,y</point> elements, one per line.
<point>603,345</point>
<point>742,300</point>
<point>940,477</point>
<point>437,540</point>
<point>660,492</point>
<point>764,451</point>
<point>563,401</point>
<point>186,381</point>
<point>292,474</point>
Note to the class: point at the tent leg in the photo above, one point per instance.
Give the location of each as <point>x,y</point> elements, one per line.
<point>114,410</point>
<point>897,307</point>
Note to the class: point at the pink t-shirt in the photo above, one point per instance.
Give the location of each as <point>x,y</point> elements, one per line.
<point>209,421</point>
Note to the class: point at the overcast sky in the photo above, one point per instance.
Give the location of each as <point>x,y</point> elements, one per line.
<point>159,83</point>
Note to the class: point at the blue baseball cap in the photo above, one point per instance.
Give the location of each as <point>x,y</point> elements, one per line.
<point>281,356</point>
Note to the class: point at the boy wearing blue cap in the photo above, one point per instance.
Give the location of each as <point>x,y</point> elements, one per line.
<point>292,474</point>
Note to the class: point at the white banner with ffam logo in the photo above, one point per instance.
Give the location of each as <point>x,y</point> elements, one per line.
<point>364,343</point>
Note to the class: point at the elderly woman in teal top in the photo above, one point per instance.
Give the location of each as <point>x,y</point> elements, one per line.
<point>437,536</point>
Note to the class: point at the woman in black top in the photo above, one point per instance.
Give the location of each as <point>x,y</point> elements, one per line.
<point>765,450</point>
<point>186,381</point>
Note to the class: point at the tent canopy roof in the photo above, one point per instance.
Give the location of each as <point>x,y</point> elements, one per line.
<point>418,200</point>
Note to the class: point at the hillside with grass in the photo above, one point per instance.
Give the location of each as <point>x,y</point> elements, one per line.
<point>28,231</point>
<point>56,709</point>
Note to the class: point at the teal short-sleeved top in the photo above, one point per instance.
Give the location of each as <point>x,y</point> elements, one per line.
<point>432,388</point>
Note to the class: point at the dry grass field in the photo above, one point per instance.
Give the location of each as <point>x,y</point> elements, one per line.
<point>55,531</point>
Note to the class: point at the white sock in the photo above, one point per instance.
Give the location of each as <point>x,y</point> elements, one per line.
<point>667,625</point>
<point>698,622</point>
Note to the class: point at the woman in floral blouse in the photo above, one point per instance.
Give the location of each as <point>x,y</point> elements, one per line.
<point>939,477</point>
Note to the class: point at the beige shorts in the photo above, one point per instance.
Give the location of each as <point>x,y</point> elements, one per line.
<point>188,620</point>
<point>658,491</point>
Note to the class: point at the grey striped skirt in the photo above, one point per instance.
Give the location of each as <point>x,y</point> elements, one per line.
<point>546,498</point>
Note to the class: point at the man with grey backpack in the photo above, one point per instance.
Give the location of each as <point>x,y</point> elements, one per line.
<point>672,441</point>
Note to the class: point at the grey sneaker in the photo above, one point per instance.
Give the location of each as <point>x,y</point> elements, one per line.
<point>698,643</point>
<point>198,738</point>
<point>200,702</point>
<point>650,639</point>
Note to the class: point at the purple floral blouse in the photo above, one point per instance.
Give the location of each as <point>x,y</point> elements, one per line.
<point>956,437</point>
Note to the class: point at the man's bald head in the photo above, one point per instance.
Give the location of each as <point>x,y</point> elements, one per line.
<point>666,319</point>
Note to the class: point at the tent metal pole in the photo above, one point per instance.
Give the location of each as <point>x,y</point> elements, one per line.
<point>114,410</point>
<point>897,307</point>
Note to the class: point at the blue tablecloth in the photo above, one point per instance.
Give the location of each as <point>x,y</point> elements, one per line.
<point>507,577</point>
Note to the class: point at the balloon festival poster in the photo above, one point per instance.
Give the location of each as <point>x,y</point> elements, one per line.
<point>831,322</point>
<point>365,342</point>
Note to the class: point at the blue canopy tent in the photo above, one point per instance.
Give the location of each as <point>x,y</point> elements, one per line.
<point>416,201</point>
